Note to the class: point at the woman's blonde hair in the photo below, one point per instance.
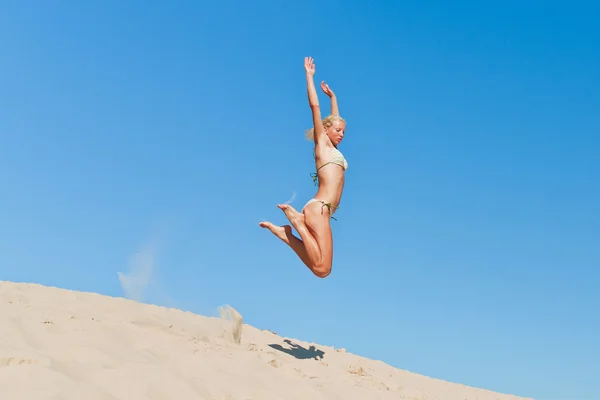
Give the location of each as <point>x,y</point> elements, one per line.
<point>327,122</point>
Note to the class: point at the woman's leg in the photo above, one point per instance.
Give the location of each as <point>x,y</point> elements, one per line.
<point>285,234</point>
<point>314,228</point>
<point>315,249</point>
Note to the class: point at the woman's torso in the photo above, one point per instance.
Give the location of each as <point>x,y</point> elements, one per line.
<point>331,166</point>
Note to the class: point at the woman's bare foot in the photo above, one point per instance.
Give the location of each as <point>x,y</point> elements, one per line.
<point>285,234</point>
<point>296,218</point>
<point>282,232</point>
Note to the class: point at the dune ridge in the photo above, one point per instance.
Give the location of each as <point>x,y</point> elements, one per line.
<point>64,344</point>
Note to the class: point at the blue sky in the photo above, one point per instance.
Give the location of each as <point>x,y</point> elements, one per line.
<point>467,241</point>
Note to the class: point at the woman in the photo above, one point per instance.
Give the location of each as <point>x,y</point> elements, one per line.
<point>315,248</point>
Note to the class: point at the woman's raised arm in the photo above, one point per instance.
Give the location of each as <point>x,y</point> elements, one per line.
<point>313,99</point>
<point>335,110</point>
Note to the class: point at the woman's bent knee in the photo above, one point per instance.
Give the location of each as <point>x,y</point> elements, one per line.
<point>322,270</point>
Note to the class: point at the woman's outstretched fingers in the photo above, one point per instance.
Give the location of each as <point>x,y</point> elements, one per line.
<point>325,88</point>
<point>309,65</point>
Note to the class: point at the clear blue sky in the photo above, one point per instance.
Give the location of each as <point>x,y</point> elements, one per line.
<point>467,245</point>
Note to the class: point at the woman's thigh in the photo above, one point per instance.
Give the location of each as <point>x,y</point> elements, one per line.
<point>318,222</point>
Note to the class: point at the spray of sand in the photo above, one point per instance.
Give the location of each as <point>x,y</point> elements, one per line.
<point>136,281</point>
<point>140,283</point>
<point>233,330</point>
<point>291,199</point>
<point>141,277</point>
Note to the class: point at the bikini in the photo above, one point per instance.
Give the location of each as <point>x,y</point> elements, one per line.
<point>336,158</point>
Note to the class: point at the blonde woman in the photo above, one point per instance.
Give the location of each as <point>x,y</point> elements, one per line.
<point>313,224</point>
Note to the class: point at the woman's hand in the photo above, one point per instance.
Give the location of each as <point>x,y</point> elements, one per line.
<point>309,66</point>
<point>327,90</point>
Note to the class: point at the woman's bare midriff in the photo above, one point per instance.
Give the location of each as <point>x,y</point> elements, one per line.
<point>331,181</point>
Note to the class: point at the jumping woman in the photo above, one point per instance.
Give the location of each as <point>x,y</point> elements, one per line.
<point>315,248</point>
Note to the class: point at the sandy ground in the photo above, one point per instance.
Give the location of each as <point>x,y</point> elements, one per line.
<point>61,344</point>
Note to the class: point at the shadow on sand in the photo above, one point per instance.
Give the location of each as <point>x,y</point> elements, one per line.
<point>298,351</point>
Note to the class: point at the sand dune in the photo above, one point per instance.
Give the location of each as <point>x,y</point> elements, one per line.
<point>61,344</point>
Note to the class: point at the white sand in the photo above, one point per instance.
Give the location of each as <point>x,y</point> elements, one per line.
<point>61,344</point>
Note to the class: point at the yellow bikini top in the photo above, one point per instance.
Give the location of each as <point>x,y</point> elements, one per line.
<point>336,158</point>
